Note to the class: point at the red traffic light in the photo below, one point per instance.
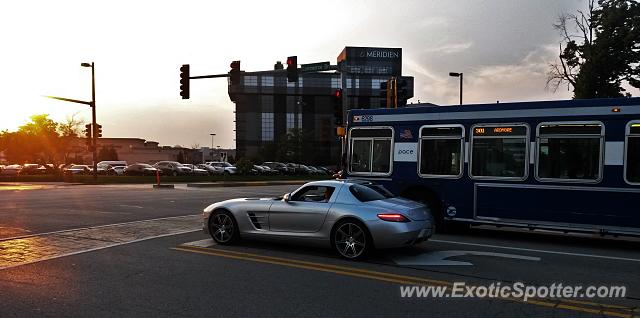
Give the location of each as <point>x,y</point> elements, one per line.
<point>337,93</point>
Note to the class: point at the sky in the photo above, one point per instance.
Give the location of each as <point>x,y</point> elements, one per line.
<point>503,47</point>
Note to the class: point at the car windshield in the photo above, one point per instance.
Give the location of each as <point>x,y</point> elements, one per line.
<point>370,192</point>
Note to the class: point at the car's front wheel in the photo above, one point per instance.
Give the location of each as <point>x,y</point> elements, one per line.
<point>351,239</point>
<point>223,227</point>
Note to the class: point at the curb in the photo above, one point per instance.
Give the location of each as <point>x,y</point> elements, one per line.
<point>163,186</point>
<point>245,183</point>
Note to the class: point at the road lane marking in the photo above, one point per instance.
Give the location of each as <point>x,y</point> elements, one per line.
<point>538,251</point>
<point>330,267</point>
<point>439,258</point>
<point>391,278</point>
<point>131,206</point>
<point>41,247</point>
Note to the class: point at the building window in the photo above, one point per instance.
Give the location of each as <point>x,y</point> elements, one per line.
<point>499,151</point>
<point>267,126</point>
<point>335,82</point>
<point>291,121</point>
<point>267,81</point>
<point>250,80</point>
<point>267,103</point>
<point>371,150</point>
<point>441,150</point>
<point>568,151</point>
<point>632,158</point>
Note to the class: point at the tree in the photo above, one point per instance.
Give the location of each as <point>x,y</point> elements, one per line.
<point>69,131</point>
<point>601,50</point>
<point>35,141</point>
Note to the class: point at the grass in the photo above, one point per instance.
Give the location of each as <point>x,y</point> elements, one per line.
<point>152,179</point>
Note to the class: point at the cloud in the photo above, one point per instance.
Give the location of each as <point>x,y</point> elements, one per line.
<point>449,48</point>
<point>521,81</point>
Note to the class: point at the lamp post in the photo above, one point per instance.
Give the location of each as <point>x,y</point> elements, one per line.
<point>94,135</point>
<point>92,104</point>
<point>211,152</point>
<point>454,74</point>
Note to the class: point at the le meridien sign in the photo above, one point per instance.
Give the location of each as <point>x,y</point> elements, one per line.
<point>387,60</point>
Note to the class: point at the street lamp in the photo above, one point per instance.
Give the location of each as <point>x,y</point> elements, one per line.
<point>94,135</point>
<point>92,104</point>
<point>211,152</point>
<point>454,74</point>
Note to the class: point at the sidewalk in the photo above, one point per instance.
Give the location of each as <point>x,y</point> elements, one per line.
<point>245,183</point>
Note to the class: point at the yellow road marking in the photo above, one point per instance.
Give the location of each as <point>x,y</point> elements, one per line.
<point>328,266</point>
<point>388,277</point>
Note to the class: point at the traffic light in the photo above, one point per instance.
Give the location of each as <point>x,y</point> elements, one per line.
<point>87,134</point>
<point>234,74</point>
<point>98,132</point>
<point>292,68</point>
<point>87,131</point>
<point>402,92</point>
<point>337,107</point>
<point>184,81</point>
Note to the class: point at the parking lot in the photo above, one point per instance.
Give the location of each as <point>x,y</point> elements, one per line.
<point>129,249</point>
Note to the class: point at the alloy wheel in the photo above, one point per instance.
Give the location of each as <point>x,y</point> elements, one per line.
<point>222,228</point>
<point>350,240</point>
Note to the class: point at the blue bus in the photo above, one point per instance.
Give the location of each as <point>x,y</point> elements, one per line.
<point>571,165</point>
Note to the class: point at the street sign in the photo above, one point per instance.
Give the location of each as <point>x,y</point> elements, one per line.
<point>315,67</point>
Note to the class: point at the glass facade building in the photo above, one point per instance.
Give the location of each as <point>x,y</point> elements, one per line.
<point>271,112</point>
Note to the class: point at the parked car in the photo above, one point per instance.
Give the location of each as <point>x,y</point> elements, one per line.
<point>268,171</point>
<point>78,170</point>
<point>197,171</point>
<point>119,170</point>
<point>11,170</point>
<point>33,169</point>
<point>211,169</point>
<point>172,168</point>
<point>324,170</point>
<point>140,169</point>
<point>106,170</point>
<point>279,166</point>
<point>113,163</point>
<point>299,168</point>
<point>228,168</point>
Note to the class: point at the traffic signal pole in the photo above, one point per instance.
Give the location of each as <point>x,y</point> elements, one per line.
<point>94,125</point>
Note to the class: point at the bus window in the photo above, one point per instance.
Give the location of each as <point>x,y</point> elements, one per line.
<point>632,159</point>
<point>441,151</point>
<point>370,150</point>
<point>361,152</point>
<point>568,151</point>
<point>499,151</point>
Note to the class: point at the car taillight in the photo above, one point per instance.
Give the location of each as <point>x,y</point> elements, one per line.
<point>392,217</point>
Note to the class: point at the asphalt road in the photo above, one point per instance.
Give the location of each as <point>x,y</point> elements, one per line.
<point>171,275</point>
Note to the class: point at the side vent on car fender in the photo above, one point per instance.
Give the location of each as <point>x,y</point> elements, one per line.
<point>259,219</point>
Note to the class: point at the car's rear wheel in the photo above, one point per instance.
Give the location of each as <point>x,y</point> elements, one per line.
<point>223,227</point>
<point>351,239</point>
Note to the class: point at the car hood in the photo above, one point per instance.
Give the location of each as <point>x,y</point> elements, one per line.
<point>414,210</point>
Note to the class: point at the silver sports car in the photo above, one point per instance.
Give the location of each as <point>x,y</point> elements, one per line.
<point>350,216</point>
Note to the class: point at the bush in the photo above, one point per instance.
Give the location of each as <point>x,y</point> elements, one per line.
<point>244,166</point>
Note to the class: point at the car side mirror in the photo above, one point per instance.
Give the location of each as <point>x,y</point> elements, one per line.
<point>286,197</point>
